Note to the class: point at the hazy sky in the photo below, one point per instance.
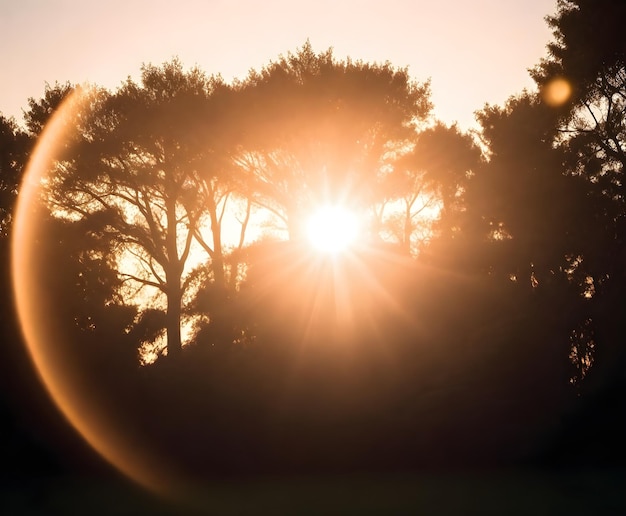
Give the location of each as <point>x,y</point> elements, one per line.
<point>473,51</point>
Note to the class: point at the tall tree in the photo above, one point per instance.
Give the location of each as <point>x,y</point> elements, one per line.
<point>518,214</point>
<point>531,209</point>
<point>425,183</point>
<point>318,129</point>
<point>40,110</point>
<point>141,156</point>
<point>14,150</point>
<point>589,53</point>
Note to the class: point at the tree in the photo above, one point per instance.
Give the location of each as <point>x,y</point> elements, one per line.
<point>518,214</point>
<point>426,183</point>
<point>589,53</point>
<point>532,209</point>
<point>593,122</point>
<point>520,231</point>
<point>14,150</point>
<point>81,270</point>
<point>141,155</point>
<point>40,110</point>
<point>318,130</point>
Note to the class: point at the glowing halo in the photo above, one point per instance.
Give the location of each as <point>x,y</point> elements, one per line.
<point>557,92</point>
<point>63,380</point>
<point>332,229</point>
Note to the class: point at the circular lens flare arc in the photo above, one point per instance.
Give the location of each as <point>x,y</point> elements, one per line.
<point>40,329</point>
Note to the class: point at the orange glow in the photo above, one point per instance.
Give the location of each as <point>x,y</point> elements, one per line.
<point>332,229</point>
<point>557,92</point>
<point>81,400</point>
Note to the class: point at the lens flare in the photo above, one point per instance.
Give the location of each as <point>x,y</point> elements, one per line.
<point>557,92</point>
<point>92,408</point>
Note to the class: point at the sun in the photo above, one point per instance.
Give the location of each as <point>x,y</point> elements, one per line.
<point>332,229</point>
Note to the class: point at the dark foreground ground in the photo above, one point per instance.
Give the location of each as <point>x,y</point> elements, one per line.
<point>46,469</point>
<point>509,492</point>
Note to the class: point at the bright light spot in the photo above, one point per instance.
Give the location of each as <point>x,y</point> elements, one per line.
<point>557,92</point>
<point>332,229</point>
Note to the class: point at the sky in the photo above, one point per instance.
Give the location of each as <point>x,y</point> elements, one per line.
<point>474,52</point>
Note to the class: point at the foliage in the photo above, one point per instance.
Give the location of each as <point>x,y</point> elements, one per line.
<point>589,52</point>
<point>426,184</point>
<point>587,49</point>
<point>14,148</point>
<point>317,130</point>
<point>593,123</point>
<point>142,153</point>
<point>40,110</point>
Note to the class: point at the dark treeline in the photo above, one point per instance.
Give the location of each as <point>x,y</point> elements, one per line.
<point>487,333</point>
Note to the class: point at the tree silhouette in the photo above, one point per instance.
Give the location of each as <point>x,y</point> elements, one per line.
<point>531,208</point>
<point>591,56</point>
<point>40,110</point>
<point>14,148</point>
<point>318,129</point>
<point>593,122</point>
<point>96,322</point>
<point>430,176</point>
<point>161,159</point>
<point>142,153</point>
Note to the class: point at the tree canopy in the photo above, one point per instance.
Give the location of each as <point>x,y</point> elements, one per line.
<point>318,129</point>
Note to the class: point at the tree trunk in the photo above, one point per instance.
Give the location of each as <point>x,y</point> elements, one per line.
<point>408,230</point>
<point>218,257</point>
<point>172,318</point>
<point>173,272</point>
<point>174,342</point>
